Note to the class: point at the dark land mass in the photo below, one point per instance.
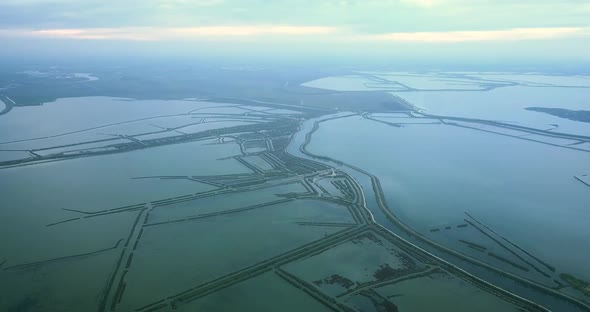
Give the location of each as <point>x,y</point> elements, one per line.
<point>575,115</point>
<point>265,86</point>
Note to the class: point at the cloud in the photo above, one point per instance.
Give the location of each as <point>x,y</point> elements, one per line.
<point>167,33</point>
<point>174,4</point>
<point>96,34</point>
<point>514,34</point>
<point>421,3</point>
<point>370,16</point>
<point>236,31</point>
<point>332,34</point>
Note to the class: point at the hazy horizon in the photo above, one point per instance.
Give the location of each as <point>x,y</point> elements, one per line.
<point>533,31</point>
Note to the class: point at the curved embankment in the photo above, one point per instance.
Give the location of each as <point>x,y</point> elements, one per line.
<point>380,198</point>
<point>8,104</point>
<point>549,133</point>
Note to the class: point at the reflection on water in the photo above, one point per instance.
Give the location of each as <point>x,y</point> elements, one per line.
<point>433,174</point>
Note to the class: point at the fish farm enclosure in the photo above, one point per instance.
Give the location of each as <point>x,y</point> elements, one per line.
<point>393,199</point>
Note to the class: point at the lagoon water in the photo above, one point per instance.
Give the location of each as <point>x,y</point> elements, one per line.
<point>75,114</point>
<point>508,105</point>
<point>505,103</point>
<point>393,82</point>
<point>432,174</point>
<point>65,221</point>
<point>536,79</point>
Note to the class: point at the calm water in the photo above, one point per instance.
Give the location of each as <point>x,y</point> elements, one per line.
<point>72,261</point>
<point>505,103</point>
<point>432,174</point>
<point>75,114</point>
<point>508,105</point>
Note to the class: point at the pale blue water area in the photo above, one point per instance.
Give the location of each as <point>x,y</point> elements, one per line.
<point>75,114</point>
<point>432,174</point>
<point>508,105</point>
<point>536,79</point>
<point>505,103</point>
<point>341,83</point>
<point>394,82</point>
<point>10,155</point>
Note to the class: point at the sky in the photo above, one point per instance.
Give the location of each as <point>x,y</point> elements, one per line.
<point>537,29</point>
